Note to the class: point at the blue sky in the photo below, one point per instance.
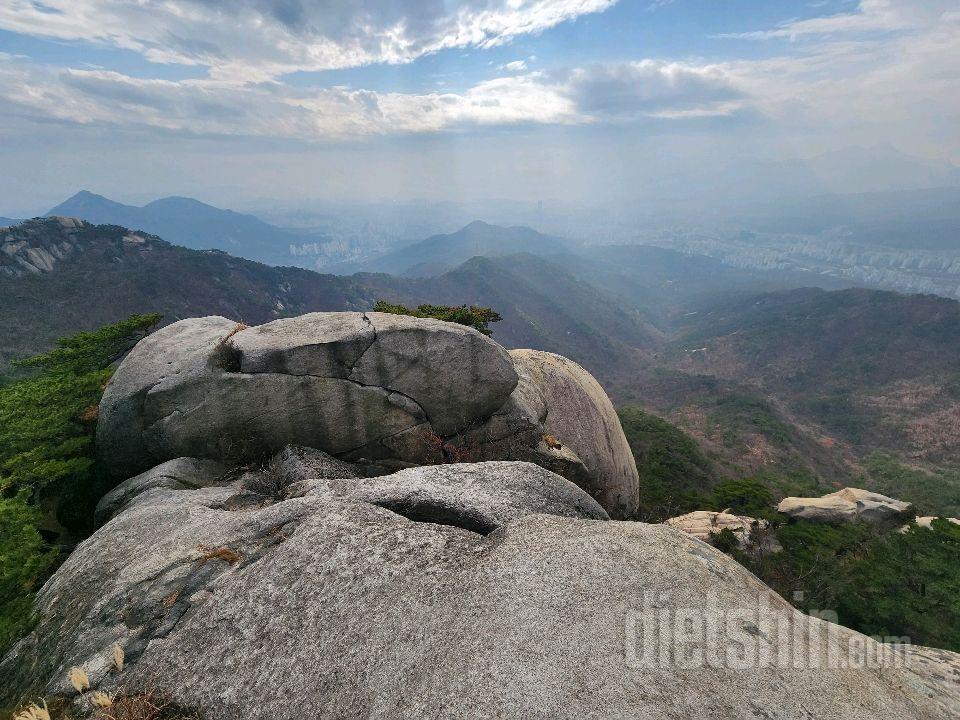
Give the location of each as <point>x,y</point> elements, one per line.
<point>393,98</point>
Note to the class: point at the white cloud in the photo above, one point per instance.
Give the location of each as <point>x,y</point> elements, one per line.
<point>261,39</point>
<point>869,16</point>
<point>276,110</point>
<point>663,89</point>
<point>888,72</point>
<point>514,66</point>
<point>840,81</point>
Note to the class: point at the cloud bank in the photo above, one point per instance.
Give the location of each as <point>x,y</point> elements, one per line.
<point>272,109</point>
<point>262,39</point>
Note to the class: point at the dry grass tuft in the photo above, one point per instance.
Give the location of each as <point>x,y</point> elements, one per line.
<point>271,480</point>
<point>90,414</point>
<point>101,699</point>
<point>220,553</point>
<point>79,679</point>
<point>240,327</point>
<point>118,657</point>
<point>33,712</point>
<point>143,706</point>
<point>226,355</point>
<point>442,451</point>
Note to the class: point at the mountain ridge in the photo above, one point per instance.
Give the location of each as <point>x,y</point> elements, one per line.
<point>95,275</point>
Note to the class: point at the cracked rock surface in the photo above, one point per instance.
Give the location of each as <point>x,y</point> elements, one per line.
<point>207,387</point>
<point>330,604</point>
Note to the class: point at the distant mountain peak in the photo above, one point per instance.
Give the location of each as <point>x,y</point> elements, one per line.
<point>181,201</point>
<point>88,196</point>
<point>478,224</point>
<point>438,254</point>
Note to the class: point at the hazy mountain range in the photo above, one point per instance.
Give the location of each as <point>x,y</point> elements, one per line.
<point>347,239</point>
<point>188,222</point>
<point>57,278</point>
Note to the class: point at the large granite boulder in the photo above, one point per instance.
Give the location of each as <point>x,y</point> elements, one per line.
<point>372,598</point>
<point>846,506</point>
<point>452,373</point>
<point>210,388</point>
<point>369,388</point>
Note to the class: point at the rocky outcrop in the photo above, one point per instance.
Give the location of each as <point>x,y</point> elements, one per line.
<point>368,388</point>
<point>286,549</point>
<point>342,382</point>
<point>37,247</point>
<point>846,506</point>
<point>751,533</point>
<point>458,591</point>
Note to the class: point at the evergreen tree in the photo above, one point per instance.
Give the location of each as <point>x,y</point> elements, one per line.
<point>49,483</point>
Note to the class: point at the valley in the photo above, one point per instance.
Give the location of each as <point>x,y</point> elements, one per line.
<point>807,389</point>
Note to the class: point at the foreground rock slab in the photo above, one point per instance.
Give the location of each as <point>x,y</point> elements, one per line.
<point>330,605</point>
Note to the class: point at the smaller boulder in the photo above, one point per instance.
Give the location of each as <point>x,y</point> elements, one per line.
<point>180,474</point>
<point>559,417</point>
<point>706,525</point>
<point>845,506</point>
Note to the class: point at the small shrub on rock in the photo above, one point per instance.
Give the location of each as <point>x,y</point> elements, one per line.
<point>479,318</point>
